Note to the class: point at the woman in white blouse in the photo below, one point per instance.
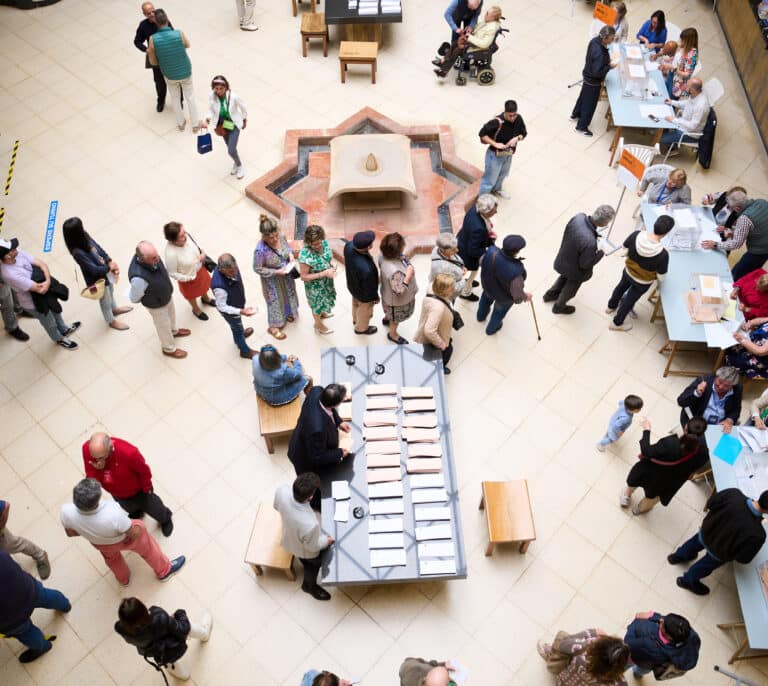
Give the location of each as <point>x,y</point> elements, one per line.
<point>229,116</point>
<point>185,262</point>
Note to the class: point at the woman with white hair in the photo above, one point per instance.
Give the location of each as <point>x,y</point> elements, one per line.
<point>475,237</point>
<point>445,260</point>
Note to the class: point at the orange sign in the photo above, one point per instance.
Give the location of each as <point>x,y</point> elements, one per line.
<point>605,13</point>
<point>633,165</point>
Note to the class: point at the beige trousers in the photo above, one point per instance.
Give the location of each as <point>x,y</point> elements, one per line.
<point>361,314</point>
<point>18,544</point>
<point>164,319</point>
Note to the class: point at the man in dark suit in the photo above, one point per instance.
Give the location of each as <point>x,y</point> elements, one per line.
<point>716,397</point>
<point>474,238</point>
<point>315,441</point>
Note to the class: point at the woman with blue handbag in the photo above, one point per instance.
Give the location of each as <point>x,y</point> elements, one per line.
<point>228,111</point>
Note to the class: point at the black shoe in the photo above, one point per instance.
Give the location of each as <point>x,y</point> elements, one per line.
<point>368,332</point>
<point>471,297</point>
<point>19,335</point>
<point>549,297</point>
<point>696,587</point>
<point>66,343</point>
<point>160,106</point>
<point>30,655</point>
<point>176,565</point>
<point>167,528</point>
<point>475,284</point>
<point>437,62</point>
<point>439,72</point>
<point>674,559</point>
<point>317,592</point>
<point>385,321</point>
<point>563,309</point>
<point>138,514</point>
<point>203,317</point>
<point>399,340</point>
<point>75,326</point>
<point>584,132</point>
<point>446,370</point>
<point>574,117</point>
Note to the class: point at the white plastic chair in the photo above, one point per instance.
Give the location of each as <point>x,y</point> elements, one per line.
<point>714,90</point>
<point>645,153</point>
<point>673,32</point>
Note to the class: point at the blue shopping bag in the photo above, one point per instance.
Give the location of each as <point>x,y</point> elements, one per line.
<point>204,143</point>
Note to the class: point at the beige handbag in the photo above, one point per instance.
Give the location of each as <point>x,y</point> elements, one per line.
<point>95,291</point>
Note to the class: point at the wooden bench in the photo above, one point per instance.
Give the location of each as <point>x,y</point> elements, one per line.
<point>264,549</point>
<point>355,52</point>
<point>296,8</point>
<point>508,512</point>
<point>314,26</point>
<point>277,421</point>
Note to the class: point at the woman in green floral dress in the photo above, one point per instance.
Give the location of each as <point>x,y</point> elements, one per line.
<point>317,273</point>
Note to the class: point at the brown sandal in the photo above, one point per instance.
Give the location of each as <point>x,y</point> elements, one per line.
<point>277,333</point>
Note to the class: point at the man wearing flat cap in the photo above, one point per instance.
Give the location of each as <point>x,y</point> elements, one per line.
<point>362,280</point>
<point>503,277</point>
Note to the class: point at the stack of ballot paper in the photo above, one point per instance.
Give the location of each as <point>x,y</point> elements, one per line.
<point>417,392</point>
<point>425,450</point>
<point>423,465</point>
<point>419,405</point>
<point>379,419</point>
<point>421,420</point>
<point>381,389</point>
<point>381,402</point>
<point>391,7</point>
<point>414,435</point>
<point>382,433</point>
<point>341,495</point>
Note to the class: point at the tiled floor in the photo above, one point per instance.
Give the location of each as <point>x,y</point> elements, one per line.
<point>74,92</point>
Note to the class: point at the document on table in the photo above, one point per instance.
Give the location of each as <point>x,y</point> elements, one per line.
<point>419,405</point>
<point>379,419</point>
<point>755,440</point>
<point>438,549</point>
<point>685,217</point>
<point>429,495</point>
<point>340,490</point>
<point>347,391</point>
<point>417,392</point>
<point>388,558</point>
<point>425,450</point>
<point>720,335</point>
<point>391,489</point>
<point>416,435</point>
<point>727,449</point>
<point>381,389</point>
<point>431,533</point>
<point>341,513</point>
<point>386,506</point>
<point>427,480</point>
<point>381,402</point>
<point>375,476</point>
<point>633,52</point>
<point>382,460</point>
<point>659,111</point>
<point>383,526</point>
<point>380,433</point>
<point>429,567</point>
<point>651,66</point>
<point>636,71</point>
<point>420,421</point>
<point>389,540</point>
<point>383,448</point>
<point>429,514</point>
<point>423,465</point>
<point>345,411</point>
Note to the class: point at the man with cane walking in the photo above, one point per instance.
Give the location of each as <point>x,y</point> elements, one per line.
<point>596,65</point>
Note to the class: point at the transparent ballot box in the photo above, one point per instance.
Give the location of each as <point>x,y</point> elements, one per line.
<point>634,77</point>
<point>707,297</point>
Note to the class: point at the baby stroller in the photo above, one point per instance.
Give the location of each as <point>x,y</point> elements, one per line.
<point>476,64</point>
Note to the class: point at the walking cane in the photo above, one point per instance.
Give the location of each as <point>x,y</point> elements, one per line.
<point>535,321</point>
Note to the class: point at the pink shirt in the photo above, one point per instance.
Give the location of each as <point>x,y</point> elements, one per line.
<point>19,277</point>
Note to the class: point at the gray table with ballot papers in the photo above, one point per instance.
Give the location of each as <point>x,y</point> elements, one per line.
<point>749,473</point>
<point>686,258</point>
<point>408,526</point>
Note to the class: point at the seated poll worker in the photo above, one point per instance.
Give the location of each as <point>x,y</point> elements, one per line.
<point>716,397</point>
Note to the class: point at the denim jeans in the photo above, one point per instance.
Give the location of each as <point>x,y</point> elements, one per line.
<point>640,671</point>
<point>704,567</point>
<point>748,263</point>
<point>52,322</point>
<point>107,303</point>
<point>496,170</point>
<point>499,312</point>
<point>672,136</point>
<point>27,632</point>
<point>231,138</point>
<point>631,292</point>
<point>235,322</point>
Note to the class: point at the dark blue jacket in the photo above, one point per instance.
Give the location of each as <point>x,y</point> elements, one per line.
<point>234,287</point>
<point>315,440</point>
<point>362,274</point>
<point>90,265</point>
<point>498,273</point>
<point>473,239</point>
<point>18,594</point>
<point>597,62</point>
<point>648,651</point>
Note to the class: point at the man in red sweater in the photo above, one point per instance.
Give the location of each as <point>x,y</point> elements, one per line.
<point>122,471</point>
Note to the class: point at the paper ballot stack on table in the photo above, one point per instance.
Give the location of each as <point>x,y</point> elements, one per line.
<point>373,460</point>
<point>375,476</point>
<point>381,402</point>
<point>417,392</point>
<point>381,389</point>
<point>420,420</point>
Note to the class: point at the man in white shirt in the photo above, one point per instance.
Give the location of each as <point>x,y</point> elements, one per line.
<point>106,526</point>
<point>302,536</point>
<point>693,117</point>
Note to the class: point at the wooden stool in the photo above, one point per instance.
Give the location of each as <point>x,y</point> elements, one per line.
<point>264,549</point>
<point>277,421</point>
<point>314,26</point>
<point>508,512</point>
<point>296,9</point>
<point>352,52</point>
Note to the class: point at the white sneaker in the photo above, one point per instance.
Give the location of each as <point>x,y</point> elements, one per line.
<point>181,127</point>
<point>610,310</point>
<point>180,671</point>
<point>600,447</point>
<point>234,169</point>
<point>208,626</point>
<point>240,173</point>
<point>626,326</point>
<point>502,194</point>
<point>624,499</point>
<point>249,27</point>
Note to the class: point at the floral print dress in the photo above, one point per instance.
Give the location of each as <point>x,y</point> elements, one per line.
<point>749,364</point>
<point>321,293</point>
<point>688,63</point>
<point>279,289</point>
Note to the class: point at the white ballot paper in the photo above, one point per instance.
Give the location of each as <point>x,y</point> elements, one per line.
<point>427,514</point>
<point>431,533</point>
<point>340,490</point>
<point>633,52</point>
<point>382,526</point>
<point>436,549</point>
<point>636,71</point>
<point>341,513</point>
<point>427,480</point>
<point>427,567</point>
<point>392,540</point>
<point>429,495</point>
<point>386,506</point>
<point>753,439</point>
<point>388,558</point>
<point>720,335</point>
<point>391,489</point>
<point>659,111</point>
<point>685,217</point>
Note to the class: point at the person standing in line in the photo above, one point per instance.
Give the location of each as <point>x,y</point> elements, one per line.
<point>8,309</point>
<point>302,535</point>
<point>362,280</point>
<point>274,263</point>
<point>318,270</point>
<point>147,28</point>
<point>656,641</point>
<point>597,64</point>
<point>445,259</point>
<point>436,319</point>
<point>647,261</point>
<point>415,671</point>
<point>158,636</point>
<point>581,249</point>
<point>106,526</point>
<point>152,287</point>
<point>37,291</point>
<point>185,262</point>
<point>501,134</point>
<point>315,677</point>
<point>167,49</point>
<point>123,472</point>
<point>230,116</point>
<point>620,420</point>
<point>229,292</point>
<point>18,544</point>
<point>474,238</point>
<point>95,264</point>
<point>503,278</point>
<point>21,595</point>
<point>245,9</point>
<point>398,285</point>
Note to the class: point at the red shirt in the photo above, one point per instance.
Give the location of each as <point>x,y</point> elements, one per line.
<point>125,472</point>
<point>750,297</point>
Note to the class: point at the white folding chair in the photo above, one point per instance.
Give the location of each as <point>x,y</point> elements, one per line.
<point>673,32</point>
<point>714,90</point>
<point>645,153</point>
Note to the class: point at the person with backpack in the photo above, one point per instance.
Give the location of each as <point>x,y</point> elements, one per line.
<point>160,638</point>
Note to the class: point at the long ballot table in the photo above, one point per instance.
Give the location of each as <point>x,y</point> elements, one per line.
<point>753,600</point>
<point>348,560</point>
<point>359,27</point>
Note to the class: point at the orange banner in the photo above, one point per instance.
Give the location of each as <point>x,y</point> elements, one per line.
<point>633,165</point>
<point>605,13</point>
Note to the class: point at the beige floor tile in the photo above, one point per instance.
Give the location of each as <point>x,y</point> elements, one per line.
<point>357,641</point>
<point>494,634</point>
<point>612,589</point>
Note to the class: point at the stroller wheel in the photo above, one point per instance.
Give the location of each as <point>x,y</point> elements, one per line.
<point>486,77</point>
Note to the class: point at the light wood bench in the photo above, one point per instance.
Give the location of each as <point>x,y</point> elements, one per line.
<point>264,549</point>
<point>314,26</point>
<point>356,52</point>
<point>277,421</point>
<point>296,8</point>
<point>508,512</point>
